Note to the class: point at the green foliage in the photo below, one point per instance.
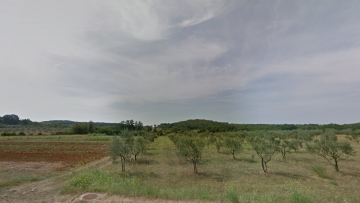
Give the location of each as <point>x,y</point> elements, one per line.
<point>265,145</point>
<point>121,147</point>
<point>91,127</point>
<point>233,145</point>
<point>351,134</point>
<point>190,146</point>
<point>333,183</point>
<point>10,119</point>
<point>8,134</point>
<point>131,125</point>
<point>286,146</point>
<point>22,133</point>
<point>299,197</point>
<point>80,128</point>
<point>329,148</point>
<point>218,144</point>
<point>232,196</point>
<point>137,146</point>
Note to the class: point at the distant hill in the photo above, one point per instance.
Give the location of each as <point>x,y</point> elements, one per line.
<point>70,123</point>
<point>214,126</point>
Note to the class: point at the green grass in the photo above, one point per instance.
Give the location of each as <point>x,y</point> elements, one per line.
<point>16,181</point>
<point>320,171</point>
<point>298,197</point>
<point>333,182</point>
<point>11,177</point>
<point>162,174</point>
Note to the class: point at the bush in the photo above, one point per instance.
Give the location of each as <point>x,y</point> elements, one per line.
<point>39,133</point>
<point>22,133</point>
<point>8,134</point>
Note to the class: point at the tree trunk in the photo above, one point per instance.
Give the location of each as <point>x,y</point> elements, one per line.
<point>283,152</point>
<point>336,166</point>
<point>233,155</point>
<point>122,164</point>
<point>135,158</point>
<point>195,169</point>
<point>263,164</point>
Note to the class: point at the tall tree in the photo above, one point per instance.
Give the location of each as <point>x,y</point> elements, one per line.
<point>91,127</point>
<point>11,119</point>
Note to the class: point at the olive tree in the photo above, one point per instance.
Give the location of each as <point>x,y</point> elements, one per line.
<point>287,142</point>
<point>352,134</point>
<point>265,145</point>
<point>191,147</point>
<point>330,148</point>
<point>233,145</point>
<point>120,147</point>
<point>218,144</point>
<point>138,146</point>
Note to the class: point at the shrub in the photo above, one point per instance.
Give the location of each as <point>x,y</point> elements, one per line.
<point>39,133</point>
<point>8,134</point>
<point>22,133</point>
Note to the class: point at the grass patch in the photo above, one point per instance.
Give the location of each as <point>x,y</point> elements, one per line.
<point>105,181</point>
<point>300,197</point>
<point>333,183</point>
<point>320,171</point>
<point>16,181</point>
<point>232,196</point>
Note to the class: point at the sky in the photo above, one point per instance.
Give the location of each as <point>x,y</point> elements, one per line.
<point>163,61</point>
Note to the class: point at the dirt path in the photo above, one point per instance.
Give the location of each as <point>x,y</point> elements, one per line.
<point>46,190</point>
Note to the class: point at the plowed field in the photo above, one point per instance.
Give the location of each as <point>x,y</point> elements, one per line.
<point>67,153</point>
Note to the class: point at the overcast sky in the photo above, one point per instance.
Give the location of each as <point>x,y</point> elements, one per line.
<point>269,61</point>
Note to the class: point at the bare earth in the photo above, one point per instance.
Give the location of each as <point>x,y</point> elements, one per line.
<point>41,166</point>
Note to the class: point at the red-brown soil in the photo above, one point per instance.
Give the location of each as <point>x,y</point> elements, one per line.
<point>68,154</point>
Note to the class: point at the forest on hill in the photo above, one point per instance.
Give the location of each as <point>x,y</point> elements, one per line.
<point>214,126</point>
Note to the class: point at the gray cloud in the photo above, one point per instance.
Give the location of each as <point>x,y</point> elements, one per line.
<point>161,61</point>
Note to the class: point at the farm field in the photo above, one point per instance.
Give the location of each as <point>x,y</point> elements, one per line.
<point>160,174</point>
<point>61,154</point>
<point>56,138</point>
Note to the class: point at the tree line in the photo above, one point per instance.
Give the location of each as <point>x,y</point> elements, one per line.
<point>12,119</point>
<point>213,126</point>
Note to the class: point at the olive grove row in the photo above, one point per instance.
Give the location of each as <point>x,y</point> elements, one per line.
<point>265,143</point>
